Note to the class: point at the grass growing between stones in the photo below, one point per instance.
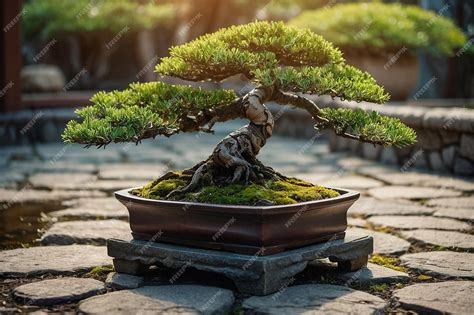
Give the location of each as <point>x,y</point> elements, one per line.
<point>277,192</point>
<point>99,272</point>
<point>389,262</point>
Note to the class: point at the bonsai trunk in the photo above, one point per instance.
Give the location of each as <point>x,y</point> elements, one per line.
<point>234,159</point>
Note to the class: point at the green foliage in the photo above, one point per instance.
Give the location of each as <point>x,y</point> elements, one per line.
<point>55,18</point>
<point>142,109</point>
<point>378,287</point>
<point>244,48</point>
<point>370,126</point>
<point>279,192</point>
<point>383,28</point>
<point>340,80</point>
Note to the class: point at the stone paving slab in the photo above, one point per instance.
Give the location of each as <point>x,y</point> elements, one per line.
<point>356,222</point>
<point>65,260</point>
<point>80,182</point>
<point>60,180</point>
<point>384,243</point>
<point>419,222</point>
<point>411,192</point>
<point>459,202</point>
<point>169,299</point>
<point>441,238</point>
<point>137,172</point>
<point>32,167</point>
<point>444,264</point>
<point>58,291</point>
<point>451,183</point>
<point>315,299</point>
<point>369,206</point>
<point>122,281</point>
<point>85,232</point>
<point>456,213</point>
<point>9,197</point>
<point>92,208</point>
<point>450,297</point>
<point>355,182</point>
<point>405,178</point>
<point>373,274</point>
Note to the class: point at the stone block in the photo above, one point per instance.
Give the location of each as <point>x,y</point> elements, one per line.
<point>463,167</point>
<point>467,146</point>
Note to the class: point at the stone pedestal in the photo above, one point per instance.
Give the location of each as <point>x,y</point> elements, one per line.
<point>254,274</point>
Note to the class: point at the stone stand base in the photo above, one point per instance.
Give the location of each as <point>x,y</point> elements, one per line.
<point>253,274</point>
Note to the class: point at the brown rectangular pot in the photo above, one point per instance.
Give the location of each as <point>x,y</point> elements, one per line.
<point>254,230</point>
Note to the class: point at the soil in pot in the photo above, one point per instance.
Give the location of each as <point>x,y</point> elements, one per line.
<point>276,191</point>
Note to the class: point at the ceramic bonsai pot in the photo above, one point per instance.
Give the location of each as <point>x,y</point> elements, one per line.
<point>251,230</point>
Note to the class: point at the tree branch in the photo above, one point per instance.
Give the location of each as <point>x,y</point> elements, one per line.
<point>313,109</point>
<point>300,102</point>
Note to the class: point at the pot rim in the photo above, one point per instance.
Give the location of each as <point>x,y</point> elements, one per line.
<point>347,195</point>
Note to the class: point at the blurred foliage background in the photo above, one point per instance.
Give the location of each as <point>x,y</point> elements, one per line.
<point>120,41</point>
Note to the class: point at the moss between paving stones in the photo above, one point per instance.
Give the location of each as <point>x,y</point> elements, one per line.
<point>389,262</point>
<point>278,192</point>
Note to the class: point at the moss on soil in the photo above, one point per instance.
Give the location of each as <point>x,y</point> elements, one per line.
<point>278,192</point>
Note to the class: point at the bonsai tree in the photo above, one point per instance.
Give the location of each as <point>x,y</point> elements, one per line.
<point>93,27</point>
<point>282,62</point>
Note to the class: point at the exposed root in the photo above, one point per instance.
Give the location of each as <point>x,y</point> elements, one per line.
<point>207,173</point>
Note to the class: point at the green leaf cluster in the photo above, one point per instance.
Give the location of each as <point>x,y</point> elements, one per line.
<point>380,28</point>
<point>56,18</point>
<point>369,126</point>
<point>244,48</point>
<point>341,80</point>
<point>141,110</point>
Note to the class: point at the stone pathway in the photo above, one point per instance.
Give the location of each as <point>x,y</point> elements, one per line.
<point>421,224</point>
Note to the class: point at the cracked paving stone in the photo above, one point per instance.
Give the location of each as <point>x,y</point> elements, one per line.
<point>169,299</point>
<point>450,297</point>
<point>56,260</point>
<point>86,232</point>
<point>316,299</point>
<point>384,243</point>
<point>58,291</point>
<point>441,238</point>
<point>445,264</point>
<point>419,222</point>
<point>368,206</point>
<point>411,192</point>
